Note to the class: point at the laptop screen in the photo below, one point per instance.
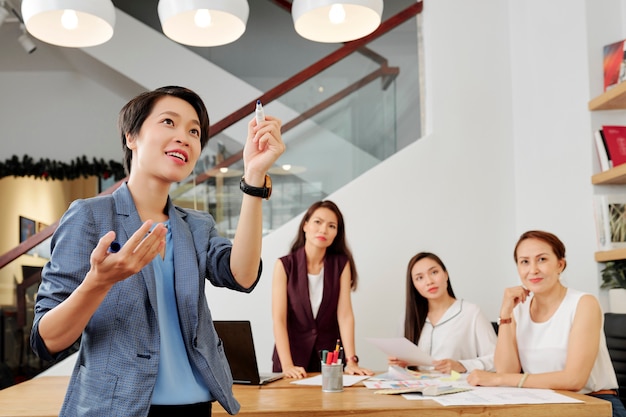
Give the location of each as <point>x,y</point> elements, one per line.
<point>239,349</point>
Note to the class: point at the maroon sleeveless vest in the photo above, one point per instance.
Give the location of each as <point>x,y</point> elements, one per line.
<point>308,336</point>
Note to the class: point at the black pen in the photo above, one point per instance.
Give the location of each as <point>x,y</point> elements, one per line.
<point>114,247</point>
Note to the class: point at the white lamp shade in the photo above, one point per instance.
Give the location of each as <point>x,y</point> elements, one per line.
<point>312,20</point>
<point>228,20</point>
<point>95,20</point>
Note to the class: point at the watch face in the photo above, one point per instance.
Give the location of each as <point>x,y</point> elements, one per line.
<point>268,186</point>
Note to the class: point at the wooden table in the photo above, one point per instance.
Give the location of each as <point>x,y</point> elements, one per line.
<point>42,397</point>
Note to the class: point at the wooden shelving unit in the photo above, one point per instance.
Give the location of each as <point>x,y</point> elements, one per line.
<point>610,255</point>
<point>614,99</point>
<point>615,175</point>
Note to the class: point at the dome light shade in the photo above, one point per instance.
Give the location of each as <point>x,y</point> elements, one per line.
<point>336,21</point>
<point>203,22</point>
<point>72,23</point>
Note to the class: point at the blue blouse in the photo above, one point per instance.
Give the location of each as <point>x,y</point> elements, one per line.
<point>177,381</point>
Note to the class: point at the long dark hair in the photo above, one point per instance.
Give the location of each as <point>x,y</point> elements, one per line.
<point>416,304</point>
<point>339,245</point>
<point>135,112</point>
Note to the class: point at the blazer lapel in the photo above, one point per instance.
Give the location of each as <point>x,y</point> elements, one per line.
<point>186,274</point>
<point>128,218</point>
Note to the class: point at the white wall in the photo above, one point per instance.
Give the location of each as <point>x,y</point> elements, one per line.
<point>449,193</point>
<point>508,149</point>
<point>553,161</point>
<point>557,69</point>
<point>38,107</point>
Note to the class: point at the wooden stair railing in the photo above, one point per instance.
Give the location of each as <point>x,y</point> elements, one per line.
<point>385,72</point>
<point>305,75</point>
<point>37,238</point>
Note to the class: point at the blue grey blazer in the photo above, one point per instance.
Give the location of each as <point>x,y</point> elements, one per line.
<point>117,364</point>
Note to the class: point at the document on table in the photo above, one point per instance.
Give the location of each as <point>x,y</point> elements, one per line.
<point>501,396</point>
<point>348,380</point>
<point>403,349</point>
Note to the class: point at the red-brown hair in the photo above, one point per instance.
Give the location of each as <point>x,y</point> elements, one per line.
<point>554,242</point>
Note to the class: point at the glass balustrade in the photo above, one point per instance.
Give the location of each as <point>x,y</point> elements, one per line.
<point>336,126</point>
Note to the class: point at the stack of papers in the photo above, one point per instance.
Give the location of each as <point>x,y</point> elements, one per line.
<point>428,391</point>
<point>431,385</point>
<point>399,380</point>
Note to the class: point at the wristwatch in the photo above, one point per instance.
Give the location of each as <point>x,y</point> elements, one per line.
<point>263,192</point>
<point>504,321</point>
<point>354,359</point>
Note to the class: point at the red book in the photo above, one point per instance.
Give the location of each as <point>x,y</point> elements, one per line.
<point>615,137</point>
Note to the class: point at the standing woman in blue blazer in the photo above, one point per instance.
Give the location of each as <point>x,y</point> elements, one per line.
<point>147,342</point>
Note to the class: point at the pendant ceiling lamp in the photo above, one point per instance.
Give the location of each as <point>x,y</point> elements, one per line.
<point>203,22</point>
<point>73,23</point>
<point>336,21</point>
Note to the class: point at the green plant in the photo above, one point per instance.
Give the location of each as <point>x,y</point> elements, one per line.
<point>614,275</point>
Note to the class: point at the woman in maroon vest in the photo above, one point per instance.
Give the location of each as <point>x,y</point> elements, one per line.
<point>311,305</point>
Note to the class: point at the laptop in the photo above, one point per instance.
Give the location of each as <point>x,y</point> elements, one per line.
<point>239,348</point>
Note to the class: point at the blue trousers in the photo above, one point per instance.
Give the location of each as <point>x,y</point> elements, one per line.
<point>616,403</point>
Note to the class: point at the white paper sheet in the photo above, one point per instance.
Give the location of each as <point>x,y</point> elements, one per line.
<point>348,380</point>
<point>500,395</point>
<point>403,349</point>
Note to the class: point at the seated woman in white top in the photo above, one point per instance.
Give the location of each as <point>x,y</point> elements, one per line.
<point>454,332</point>
<point>555,335</point>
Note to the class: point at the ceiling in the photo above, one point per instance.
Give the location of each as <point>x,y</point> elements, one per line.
<point>269,52</point>
<point>269,47</point>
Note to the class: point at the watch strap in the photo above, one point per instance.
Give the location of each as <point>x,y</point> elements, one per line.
<point>263,192</point>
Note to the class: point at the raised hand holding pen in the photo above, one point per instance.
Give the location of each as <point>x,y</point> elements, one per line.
<point>264,144</point>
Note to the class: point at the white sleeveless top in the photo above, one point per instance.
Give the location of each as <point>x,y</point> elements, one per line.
<point>542,347</point>
<point>316,291</point>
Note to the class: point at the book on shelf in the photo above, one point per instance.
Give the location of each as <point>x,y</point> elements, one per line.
<point>614,64</point>
<point>615,140</point>
<point>610,218</point>
<point>602,152</point>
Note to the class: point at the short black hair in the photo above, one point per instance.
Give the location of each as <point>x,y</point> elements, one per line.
<point>136,111</point>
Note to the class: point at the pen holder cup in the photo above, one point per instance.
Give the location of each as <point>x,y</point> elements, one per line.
<point>332,378</point>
